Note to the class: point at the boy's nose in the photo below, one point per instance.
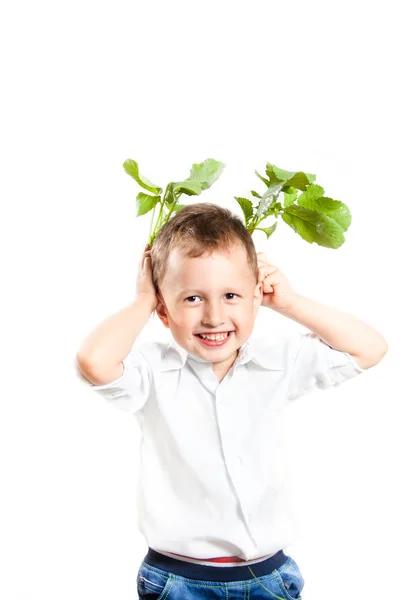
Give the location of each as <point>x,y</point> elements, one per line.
<point>213,316</point>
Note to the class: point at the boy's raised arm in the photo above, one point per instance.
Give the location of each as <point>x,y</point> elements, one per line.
<point>102,352</point>
<point>339,329</point>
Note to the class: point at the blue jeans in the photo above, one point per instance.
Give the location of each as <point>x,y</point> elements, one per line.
<point>163,577</point>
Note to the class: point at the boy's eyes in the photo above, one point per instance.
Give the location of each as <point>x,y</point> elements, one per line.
<point>228,294</point>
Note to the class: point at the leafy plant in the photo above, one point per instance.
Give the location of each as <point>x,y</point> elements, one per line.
<point>314,216</point>
<point>311,214</point>
<point>201,177</point>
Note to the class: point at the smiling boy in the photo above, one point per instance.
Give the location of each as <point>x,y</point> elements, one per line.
<point>211,495</point>
<point>209,303</point>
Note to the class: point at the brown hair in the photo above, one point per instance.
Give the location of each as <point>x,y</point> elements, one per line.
<point>198,228</point>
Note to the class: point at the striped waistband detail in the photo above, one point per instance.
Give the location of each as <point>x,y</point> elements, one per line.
<point>223,561</point>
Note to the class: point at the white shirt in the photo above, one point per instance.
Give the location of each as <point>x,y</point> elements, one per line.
<point>212,457</point>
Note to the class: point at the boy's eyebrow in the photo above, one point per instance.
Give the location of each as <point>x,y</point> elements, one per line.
<point>195,291</point>
<point>191,290</point>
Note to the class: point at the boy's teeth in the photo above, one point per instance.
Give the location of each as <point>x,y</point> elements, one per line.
<point>220,336</point>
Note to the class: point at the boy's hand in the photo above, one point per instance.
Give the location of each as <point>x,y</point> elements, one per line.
<point>144,281</point>
<point>277,293</point>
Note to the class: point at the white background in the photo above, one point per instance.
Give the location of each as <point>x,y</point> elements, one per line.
<point>85,85</point>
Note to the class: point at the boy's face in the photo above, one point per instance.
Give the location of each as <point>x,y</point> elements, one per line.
<point>210,294</point>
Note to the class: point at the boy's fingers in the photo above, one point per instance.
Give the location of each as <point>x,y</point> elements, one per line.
<point>264,271</point>
<point>261,257</point>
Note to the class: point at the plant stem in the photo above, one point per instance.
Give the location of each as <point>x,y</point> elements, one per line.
<point>252,224</point>
<point>255,221</point>
<point>151,223</point>
<point>160,214</point>
<point>172,208</point>
<point>160,220</point>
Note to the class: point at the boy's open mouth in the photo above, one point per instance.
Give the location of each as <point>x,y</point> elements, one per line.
<point>214,339</point>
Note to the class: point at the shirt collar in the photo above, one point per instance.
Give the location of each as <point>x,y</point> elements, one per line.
<point>175,357</point>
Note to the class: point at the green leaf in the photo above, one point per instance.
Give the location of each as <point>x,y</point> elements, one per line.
<point>169,193</point>
<point>289,198</point>
<point>145,202</point>
<point>178,207</point>
<point>268,230</point>
<point>313,199</point>
<point>176,188</point>
<point>299,180</point>
<point>206,173</point>
<point>262,178</point>
<point>247,208</point>
<point>337,210</point>
<point>188,187</point>
<point>132,168</point>
<point>268,199</point>
<point>313,226</point>
<point>289,189</point>
<point>273,190</point>
<point>276,174</point>
<point>256,194</point>
<point>312,193</point>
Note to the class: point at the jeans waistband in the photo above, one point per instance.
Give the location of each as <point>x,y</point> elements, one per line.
<point>213,573</point>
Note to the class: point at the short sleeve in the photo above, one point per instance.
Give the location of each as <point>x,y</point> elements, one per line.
<point>317,365</point>
<point>130,391</point>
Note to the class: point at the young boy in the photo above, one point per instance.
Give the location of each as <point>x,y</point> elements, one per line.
<point>211,494</point>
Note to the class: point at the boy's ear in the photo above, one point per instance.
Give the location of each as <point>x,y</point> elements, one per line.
<point>161,310</point>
